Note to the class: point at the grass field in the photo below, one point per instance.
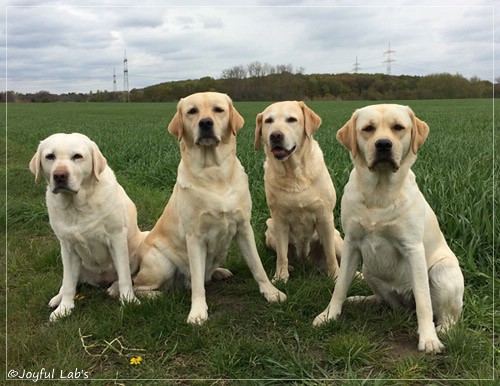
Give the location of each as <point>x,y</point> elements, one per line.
<point>246,338</point>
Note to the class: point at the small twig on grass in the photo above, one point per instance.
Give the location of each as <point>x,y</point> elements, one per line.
<point>102,348</point>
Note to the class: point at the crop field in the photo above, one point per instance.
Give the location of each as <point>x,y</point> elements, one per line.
<point>246,340</point>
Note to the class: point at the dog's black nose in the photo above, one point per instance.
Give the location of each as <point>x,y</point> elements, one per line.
<point>61,176</point>
<point>276,136</point>
<point>383,145</point>
<point>206,124</point>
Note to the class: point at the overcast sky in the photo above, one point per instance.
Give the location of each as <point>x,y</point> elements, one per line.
<point>74,46</point>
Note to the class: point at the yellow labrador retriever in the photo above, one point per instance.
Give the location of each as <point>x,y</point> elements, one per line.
<point>91,215</point>
<point>299,190</point>
<point>388,222</point>
<point>209,207</point>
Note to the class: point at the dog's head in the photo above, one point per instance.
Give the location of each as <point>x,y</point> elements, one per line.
<point>67,161</point>
<point>205,119</point>
<point>284,126</point>
<point>382,136</point>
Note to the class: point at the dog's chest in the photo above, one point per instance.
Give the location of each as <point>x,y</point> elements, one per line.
<point>92,248</point>
<point>213,213</point>
<point>380,247</point>
<point>219,207</point>
<point>219,225</point>
<point>216,230</point>
<point>301,211</point>
<point>90,240</point>
<point>217,221</point>
<point>302,227</point>
<point>382,260</point>
<point>94,255</point>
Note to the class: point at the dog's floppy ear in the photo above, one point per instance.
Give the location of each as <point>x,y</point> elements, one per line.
<point>176,125</point>
<point>258,131</point>
<point>236,121</point>
<point>36,165</point>
<point>312,121</point>
<point>419,132</point>
<point>98,161</point>
<point>347,135</point>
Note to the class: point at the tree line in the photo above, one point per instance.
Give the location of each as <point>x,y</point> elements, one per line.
<point>263,82</point>
<point>297,86</point>
<point>257,70</point>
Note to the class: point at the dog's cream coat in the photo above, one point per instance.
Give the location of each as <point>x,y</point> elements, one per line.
<point>209,207</point>
<point>299,190</point>
<point>91,215</point>
<point>389,224</point>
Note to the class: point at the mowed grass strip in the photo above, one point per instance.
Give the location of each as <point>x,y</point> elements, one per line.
<point>245,337</point>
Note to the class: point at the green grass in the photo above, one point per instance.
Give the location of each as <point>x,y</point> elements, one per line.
<point>246,338</point>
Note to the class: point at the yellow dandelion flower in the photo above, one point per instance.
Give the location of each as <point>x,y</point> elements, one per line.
<point>135,360</point>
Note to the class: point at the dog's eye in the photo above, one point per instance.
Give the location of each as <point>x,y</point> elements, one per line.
<point>369,128</point>
<point>77,156</point>
<point>50,157</point>
<point>192,111</point>
<point>218,109</point>
<point>291,119</point>
<point>398,127</point>
<point>268,120</point>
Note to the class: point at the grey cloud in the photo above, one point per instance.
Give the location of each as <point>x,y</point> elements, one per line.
<point>164,43</point>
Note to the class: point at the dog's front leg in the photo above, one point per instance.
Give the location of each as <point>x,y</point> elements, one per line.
<point>281,234</point>
<point>428,339</point>
<point>246,242</point>
<point>197,253</point>
<point>121,260</point>
<point>65,299</point>
<point>350,260</point>
<point>326,234</point>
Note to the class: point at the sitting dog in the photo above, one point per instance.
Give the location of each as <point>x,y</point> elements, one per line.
<point>209,207</point>
<point>91,215</point>
<point>299,190</point>
<point>389,224</point>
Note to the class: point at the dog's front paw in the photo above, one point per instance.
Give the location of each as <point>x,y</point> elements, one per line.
<point>197,319</point>
<point>55,301</point>
<point>197,316</point>
<point>331,313</point>
<point>281,275</point>
<point>114,290</point>
<point>129,297</point>
<point>61,311</point>
<point>274,296</point>
<point>126,296</point>
<point>430,345</point>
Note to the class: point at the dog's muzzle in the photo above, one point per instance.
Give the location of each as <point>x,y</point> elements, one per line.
<point>61,182</point>
<point>206,135</point>
<point>383,156</point>
<point>279,151</point>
